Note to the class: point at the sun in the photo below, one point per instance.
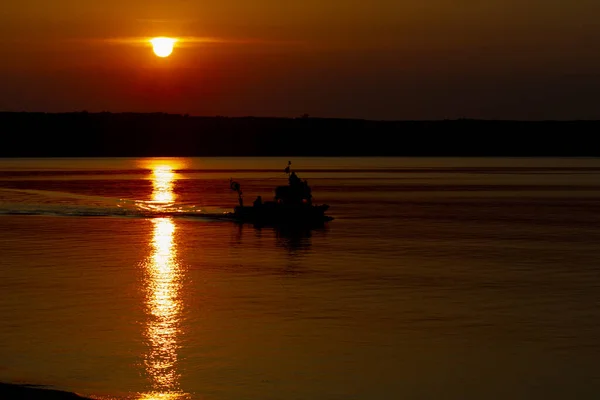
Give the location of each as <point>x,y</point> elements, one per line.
<point>163,46</point>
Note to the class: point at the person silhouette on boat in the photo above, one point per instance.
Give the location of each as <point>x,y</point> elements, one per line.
<point>294,180</point>
<point>258,202</point>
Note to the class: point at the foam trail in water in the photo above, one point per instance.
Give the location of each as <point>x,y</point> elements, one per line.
<point>53,203</point>
<point>79,211</point>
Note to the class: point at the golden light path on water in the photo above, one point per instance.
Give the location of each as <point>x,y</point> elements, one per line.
<point>163,298</point>
<point>163,179</point>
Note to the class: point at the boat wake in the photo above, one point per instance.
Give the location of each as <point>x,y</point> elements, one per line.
<point>91,212</point>
<point>60,204</point>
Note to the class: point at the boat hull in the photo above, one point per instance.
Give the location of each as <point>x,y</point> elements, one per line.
<point>283,215</point>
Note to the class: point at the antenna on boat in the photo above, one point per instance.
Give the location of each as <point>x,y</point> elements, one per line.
<point>235,186</point>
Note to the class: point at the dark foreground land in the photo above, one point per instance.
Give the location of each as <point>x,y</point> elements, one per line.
<point>85,134</point>
<point>31,392</point>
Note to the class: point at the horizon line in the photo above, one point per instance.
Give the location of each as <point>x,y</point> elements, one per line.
<point>305,116</point>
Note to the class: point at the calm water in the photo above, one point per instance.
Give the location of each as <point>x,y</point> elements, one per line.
<point>439,278</point>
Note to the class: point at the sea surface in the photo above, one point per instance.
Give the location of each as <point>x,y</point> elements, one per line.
<point>439,278</point>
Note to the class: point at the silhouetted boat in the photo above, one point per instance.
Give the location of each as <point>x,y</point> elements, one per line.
<point>292,206</point>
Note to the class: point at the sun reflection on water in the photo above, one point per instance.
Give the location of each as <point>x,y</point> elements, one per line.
<point>163,299</point>
<point>162,182</point>
<point>163,174</point>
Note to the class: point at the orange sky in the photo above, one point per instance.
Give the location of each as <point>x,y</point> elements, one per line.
<point>383,59</point>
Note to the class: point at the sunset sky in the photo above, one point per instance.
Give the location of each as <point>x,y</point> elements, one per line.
<point>382,59</point>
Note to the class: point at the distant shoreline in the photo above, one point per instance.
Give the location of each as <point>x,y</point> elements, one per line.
<point>35,392</point>
<point>82,134</point>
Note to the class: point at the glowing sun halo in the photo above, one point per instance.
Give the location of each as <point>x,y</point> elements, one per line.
<point>162,46</point>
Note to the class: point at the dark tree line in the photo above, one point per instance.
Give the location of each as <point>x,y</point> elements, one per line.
<point>127,134</point>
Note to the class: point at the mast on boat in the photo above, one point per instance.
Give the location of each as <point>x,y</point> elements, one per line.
<point>235,186</point>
